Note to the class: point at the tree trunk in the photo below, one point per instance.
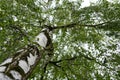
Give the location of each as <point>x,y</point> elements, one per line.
<point>21,65</point>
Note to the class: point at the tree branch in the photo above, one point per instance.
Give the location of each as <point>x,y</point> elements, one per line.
<point>77,23</point>
<point>16,27</point>
<point>72,58</point>
<point>23,33</point>
<point>75,57</point>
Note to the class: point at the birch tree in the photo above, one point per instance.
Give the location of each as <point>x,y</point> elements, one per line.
<point>85,40</point>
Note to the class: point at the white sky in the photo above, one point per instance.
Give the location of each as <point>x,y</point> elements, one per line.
<point>87,2</point>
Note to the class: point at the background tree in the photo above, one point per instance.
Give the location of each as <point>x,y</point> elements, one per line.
<point>86,40</point>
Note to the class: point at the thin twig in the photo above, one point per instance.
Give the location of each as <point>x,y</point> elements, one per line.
<point>62,68</point>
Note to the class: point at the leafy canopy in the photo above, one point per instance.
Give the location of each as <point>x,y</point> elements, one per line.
<point>90,49</point>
